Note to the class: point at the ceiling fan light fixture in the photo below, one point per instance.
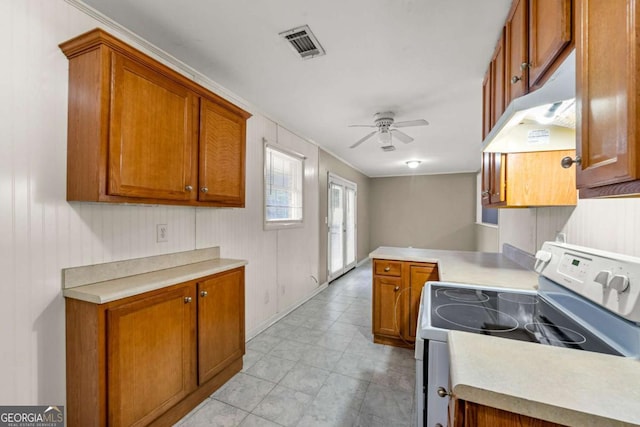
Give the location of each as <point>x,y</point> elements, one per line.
<point>412,164</point>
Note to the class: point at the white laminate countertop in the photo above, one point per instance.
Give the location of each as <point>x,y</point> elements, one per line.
<point>481,268</point>
<point>566,386</point>
<point>111,290</point>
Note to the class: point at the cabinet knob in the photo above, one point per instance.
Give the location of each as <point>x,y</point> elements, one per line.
<point>566,162</point>
<point>187,300</point>
<point>396,289</point>
<point>204,293</point>
<point>524,66</point>
<point>485,193</point>
<point>204,189</point>
<point>387,268</point>
<point>515,79</point>
<point>442,392</point>
<point>188,187</point>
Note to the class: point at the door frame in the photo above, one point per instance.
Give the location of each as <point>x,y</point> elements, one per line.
<point>345,183</point>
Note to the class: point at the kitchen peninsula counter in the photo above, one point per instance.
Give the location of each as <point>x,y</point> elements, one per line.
<point>565,386</point>
<point>480,268</point>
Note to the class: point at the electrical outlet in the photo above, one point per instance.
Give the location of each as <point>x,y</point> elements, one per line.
<point>162,233</point>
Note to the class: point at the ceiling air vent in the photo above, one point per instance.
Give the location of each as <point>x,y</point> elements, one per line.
<point>303,42</point>
<point>388,148</point>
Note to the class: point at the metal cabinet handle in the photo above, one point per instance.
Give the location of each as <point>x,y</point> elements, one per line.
<point>485,193</point>
<point>187,300</point>
<point>387,268</point>
<point>442,392</point>
<point>204,293</point>
<point>204,189</point>
<point>566,162</point>
<point>515,79</point>
<point>525,65</point>
<point>188,187</point>
<point>396,289</point>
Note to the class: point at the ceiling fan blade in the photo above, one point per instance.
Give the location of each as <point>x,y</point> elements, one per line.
<point>364,139</point>
<point>401,136</point>
<point>409,123</point>
<point>362,126</point>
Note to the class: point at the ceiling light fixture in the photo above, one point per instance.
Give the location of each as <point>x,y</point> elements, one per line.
<point>412,164</point>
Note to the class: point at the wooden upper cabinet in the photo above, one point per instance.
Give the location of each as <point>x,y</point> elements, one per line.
<point>487,104</point>
<point>527,179</point>
<point>151,133</point>
<point>140,132</point>
<point>516,62</point>
<point>607,70</point>
<point>498,80</point>
<point>222,154</point>
<point>220,322</point>
<point>152,354</point>
<point>550,37</point>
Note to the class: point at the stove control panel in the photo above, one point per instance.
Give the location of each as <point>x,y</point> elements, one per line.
<point>608,279</point>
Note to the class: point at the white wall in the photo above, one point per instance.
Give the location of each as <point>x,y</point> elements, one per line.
<point>41,233</point>
<point>607,224</point>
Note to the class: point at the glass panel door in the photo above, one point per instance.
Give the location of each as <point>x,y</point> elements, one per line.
<point>336,244</point>
<point>341,222</point>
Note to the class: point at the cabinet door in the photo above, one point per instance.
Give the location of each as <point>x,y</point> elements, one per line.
<point>152,140</point>
<point>151,356</point>
<point>222,155</point>
<point>477,415</point>
<point>487,124</point>
<point>516,53</point>
<point>487,161</point>
<point>220,322</point>
<point>498,80</point>
<point>550,33</point>
<point>419,274</point>
<point>607,92</point>
<point>387,306</point>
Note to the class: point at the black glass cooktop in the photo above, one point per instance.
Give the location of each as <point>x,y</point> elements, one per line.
<point>508,314</point>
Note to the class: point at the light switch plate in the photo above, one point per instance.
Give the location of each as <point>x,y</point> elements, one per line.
<point>162,233</point>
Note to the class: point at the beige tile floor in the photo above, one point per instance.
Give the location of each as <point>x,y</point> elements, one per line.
<point>318,366</point>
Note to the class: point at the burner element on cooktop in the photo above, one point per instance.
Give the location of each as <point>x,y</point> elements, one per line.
<point>518,298</point>
<point>466,295</point>
<point>477,318</point>
<point>555,333</point>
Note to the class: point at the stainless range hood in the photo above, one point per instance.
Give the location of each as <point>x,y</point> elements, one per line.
<point>542,120</point>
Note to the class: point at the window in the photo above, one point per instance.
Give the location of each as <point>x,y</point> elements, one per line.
<point>283,174</point>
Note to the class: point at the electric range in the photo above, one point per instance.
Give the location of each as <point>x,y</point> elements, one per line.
<point>586,300</point>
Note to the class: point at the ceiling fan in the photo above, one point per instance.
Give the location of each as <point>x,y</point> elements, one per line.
<point>388,128</point>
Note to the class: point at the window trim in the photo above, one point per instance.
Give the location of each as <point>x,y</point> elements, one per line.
<point>285,223</point>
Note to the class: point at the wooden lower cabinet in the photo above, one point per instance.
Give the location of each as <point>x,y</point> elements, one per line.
<point>151,358</point>
<point>469,414</point>
<point>220,323</point>
<point>397,286</point>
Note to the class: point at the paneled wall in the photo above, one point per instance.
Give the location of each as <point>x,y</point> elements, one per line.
<point>608,224</point>
<point>42,233</point>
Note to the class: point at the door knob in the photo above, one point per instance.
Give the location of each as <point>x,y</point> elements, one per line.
<point>566,162</point>
<point>442,392</point>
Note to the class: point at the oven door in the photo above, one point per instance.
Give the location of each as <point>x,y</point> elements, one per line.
<point>436,360</point>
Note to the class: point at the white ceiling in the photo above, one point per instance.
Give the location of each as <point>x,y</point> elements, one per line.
<point>422,59</point>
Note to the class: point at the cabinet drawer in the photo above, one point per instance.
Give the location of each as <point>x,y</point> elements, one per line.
<point>387,268</point>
